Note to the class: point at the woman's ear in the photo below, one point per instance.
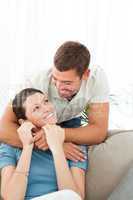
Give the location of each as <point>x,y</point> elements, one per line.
<point>21,121</point>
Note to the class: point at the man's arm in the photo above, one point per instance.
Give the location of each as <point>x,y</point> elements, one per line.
<point>93,133</point>
<point>8,128</point>
<point>96,131</point>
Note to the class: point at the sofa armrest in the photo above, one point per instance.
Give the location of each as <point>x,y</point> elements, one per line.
<point>108,163</point>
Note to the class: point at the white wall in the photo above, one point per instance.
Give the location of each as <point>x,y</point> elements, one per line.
<point>31,30</point>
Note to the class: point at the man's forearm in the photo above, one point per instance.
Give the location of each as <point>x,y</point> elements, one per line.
<point>8,134</point>
<point>90,134</point>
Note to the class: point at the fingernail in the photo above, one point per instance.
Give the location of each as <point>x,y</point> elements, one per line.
<point>83,160</point>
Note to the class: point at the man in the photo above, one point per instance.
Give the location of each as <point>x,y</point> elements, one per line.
<point>71,86</point>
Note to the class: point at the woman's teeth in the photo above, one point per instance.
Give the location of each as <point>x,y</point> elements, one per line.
<point>50,115</point>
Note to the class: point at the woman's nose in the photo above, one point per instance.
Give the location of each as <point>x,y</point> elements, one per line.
<point>45,108</point>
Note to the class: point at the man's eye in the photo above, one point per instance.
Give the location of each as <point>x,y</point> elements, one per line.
<point>67,83</point>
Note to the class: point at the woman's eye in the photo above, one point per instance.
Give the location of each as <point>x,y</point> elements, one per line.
<point>36,108</point>
<point>46,101</point>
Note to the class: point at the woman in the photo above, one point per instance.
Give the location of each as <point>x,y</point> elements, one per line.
<point>29,172</point>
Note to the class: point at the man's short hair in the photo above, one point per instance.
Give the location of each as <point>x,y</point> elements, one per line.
<point>19,99</point>
<point>72,55</point>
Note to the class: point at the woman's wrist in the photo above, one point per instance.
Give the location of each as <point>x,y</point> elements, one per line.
<point>57,150</point>
<point>24,173</point>
<point>28,146</point>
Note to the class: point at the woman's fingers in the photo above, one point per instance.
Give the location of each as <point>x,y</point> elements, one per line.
<point>21,121</point>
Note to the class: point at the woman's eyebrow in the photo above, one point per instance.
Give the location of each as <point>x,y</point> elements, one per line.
<point>36,104</point>
<point>44,98</point>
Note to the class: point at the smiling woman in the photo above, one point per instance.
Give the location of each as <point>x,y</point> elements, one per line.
<point>32,104</point>
<point>39,172</point>
<point>31,30</point>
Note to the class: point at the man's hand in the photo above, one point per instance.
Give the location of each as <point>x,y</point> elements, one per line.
<point>73,152</point>
<point>40,140</point>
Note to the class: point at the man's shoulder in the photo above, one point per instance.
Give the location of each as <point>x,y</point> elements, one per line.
<point>97,75</point>
<point>39,80</point>
<point>41,75</point>
<point>97,85</point>
<point>96,71</point>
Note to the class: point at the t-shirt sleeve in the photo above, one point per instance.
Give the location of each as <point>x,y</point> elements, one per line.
<point>100,93</point>
<point>81,164</point>
<point>7,156</point>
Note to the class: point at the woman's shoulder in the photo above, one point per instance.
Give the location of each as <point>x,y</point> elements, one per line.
<point>8,155</point>
<point>8,148</point>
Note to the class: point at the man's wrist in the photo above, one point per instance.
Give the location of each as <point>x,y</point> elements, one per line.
<point>66,134</point>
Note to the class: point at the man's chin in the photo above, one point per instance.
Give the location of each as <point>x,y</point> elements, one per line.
<point>65,96</point>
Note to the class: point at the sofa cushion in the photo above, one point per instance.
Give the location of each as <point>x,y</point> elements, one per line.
<point>125,189</point>
<point>108,163</point>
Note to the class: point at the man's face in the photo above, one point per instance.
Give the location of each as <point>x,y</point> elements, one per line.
<point>67,82</point>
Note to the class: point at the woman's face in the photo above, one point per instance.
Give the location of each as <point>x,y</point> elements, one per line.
<point>39,110</point>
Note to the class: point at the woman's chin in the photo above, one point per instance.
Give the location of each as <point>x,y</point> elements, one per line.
<point>49,121</point>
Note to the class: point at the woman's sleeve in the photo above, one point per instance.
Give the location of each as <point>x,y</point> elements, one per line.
<point>7,155</point>
<point>81,164</point>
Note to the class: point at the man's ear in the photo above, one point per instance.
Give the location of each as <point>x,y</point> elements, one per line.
<point>86,74</point>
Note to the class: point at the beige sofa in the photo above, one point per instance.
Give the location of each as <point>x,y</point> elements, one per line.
<point>109,161</point>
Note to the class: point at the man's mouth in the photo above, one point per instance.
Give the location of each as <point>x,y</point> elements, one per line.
<point>65,92</point>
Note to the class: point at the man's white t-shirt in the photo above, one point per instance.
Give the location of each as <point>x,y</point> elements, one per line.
<point>93,90</point>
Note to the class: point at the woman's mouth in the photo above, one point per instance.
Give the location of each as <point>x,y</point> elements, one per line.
<point>51,114</point>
